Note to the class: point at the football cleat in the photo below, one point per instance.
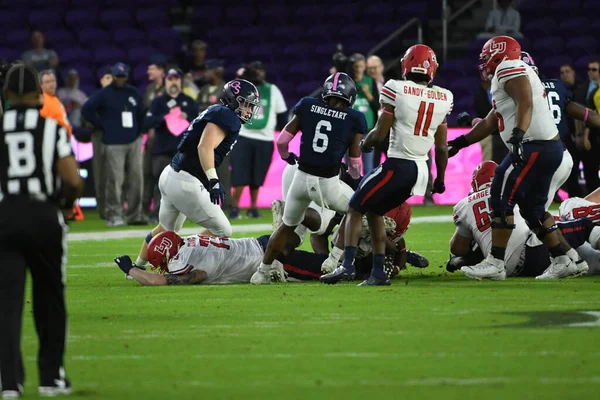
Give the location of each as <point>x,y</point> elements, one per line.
<point>373,281</point>
<point>278,274</point>
<point>339,274</point>
<point>416,260</point>
<point>60,387</point>
<point>564,267</point>
<point>490,268</point>
<point>277,211</point>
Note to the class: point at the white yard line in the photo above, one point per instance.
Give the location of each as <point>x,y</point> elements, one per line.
<point>140,233</point>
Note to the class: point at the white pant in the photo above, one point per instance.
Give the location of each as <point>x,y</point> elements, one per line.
<point>183,196</point>
<point>306,189</point>
<point>560,177</point>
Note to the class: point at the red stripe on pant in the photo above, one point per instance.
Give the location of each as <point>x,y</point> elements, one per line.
<point>371,192</point>
<point>299,271</point>
<point>522,175</point>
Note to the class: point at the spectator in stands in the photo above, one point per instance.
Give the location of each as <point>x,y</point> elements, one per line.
<point>118,109</point>
<point>98,160</point>
<point>52,107</point>
<point>208,96</point>
<point>38,56</point>
<point>72,97</point>
<point>251,157</point>
<point>589,141</point>
<point>165,141</point>
<point>375,69</point>
<point>189,87</point>
<point>504,20</point>
<point>567,75</point>
<point>196,65</point>
<point>156,88</point>
<point>367,100</point>
<point>482,102</point>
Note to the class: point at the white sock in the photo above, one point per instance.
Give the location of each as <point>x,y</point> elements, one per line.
<point>141,263</point>
<point>336,254</point>
<point>265,267</point>
<point>573,255</point>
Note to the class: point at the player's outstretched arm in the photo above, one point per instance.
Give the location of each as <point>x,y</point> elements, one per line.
<point>382,128</point>
<point>146,278</point>
<point>480,131</point>
<point>589,117</point>
<point>519,89</point>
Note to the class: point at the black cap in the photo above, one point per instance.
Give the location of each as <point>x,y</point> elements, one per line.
<point>22,79</point>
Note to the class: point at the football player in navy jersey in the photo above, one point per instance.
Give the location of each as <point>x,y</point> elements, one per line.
<point>329,128</point>
<point>190,186</point>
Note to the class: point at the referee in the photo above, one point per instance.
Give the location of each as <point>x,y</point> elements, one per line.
<point>38,179</point>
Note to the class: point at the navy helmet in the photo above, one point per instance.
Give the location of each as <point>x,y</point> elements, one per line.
<point>340,85</point>
<point>527,59</point>
<point>242,97</point>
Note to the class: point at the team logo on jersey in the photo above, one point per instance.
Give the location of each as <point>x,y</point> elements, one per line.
<point>132,101</point>
<point>164,246</point>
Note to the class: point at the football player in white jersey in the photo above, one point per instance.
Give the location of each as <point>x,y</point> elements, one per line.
<point>525,254</point>
<point>416,116</point>
<point>214,260</point>
<point>526,124</point>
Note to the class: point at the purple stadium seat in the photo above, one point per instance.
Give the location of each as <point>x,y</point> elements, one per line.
<point>140,55</point>
<point>152,18</point>
<point>299,51</point>
<point>376,11</point>
<point>313,13</point>
<point>466,84</point>
<point>49,4</point>
<point>166,40</point>
<point>217,33</point>
<point>45,19</point>
<point>56,38</point>
<point>549,45</point>
<point>277,15</point>
<point>10,20</point>
<point>551,65</point>
<point>93,37</point>
<point>410,10</point>
<point>560,8</point>
<point>578,24</point>
<point>254,33</point>
<point>108,55</point>
<point>124,36</point>
<point>540,26</point>
<point>587,44</point>
<point>112,19</point>
<point>75,55</point>
<point>240,15</point>
<point>82,19</point>
<point>383,30</point>
<point>348,13</point>
<point>88,88</point>
<point>232,50</point>
<point>595,25</point>
<point>140,73</point>
<point>591,7</point>
<point>325,49</point>
<point>18,39</point>
<point>263,51</point>
<point>9,54</point>
<point>205,17</point>
<point>288,32</point>
<point>355,31</point>
<point>324,32</point>
<point>306,88</point>
<point>120,4</point>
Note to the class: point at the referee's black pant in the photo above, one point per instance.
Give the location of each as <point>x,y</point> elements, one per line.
<point>32,235</point>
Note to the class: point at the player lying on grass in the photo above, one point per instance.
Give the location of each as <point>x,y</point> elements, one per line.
<point>213,260</point>
<point>525,254</point>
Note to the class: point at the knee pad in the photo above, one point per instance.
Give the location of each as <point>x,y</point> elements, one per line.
<point>503,224</point>
<point>537,225</point>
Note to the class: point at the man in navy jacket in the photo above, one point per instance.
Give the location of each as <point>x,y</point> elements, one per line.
<point>165,141</point>
<point>119,111</point>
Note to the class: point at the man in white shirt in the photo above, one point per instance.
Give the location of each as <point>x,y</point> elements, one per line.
<point>251,157</point>
<point>504,20</point>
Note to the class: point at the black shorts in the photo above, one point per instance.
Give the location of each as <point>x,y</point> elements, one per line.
<point>250,161</point>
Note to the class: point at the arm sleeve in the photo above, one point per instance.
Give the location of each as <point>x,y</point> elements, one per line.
<point>90,108</point>
<point>388,93</point>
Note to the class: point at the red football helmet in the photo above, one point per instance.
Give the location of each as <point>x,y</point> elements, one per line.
<point>483,175</point>
<point>162,247</point>
<point>419,59</point>
<point>496,50</point>
<point>401,215</point>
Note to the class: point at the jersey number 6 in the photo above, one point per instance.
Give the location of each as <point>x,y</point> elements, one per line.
<point>319,136</point>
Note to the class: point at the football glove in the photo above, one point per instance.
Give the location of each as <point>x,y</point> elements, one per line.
<point>438,186</point>
<point>464,120</point>
<point>456,144</point>
<point>292,159</point>
<point>124,263</point>
<point>217,193</point>
<point>363,148</point>
<point>516,154</point>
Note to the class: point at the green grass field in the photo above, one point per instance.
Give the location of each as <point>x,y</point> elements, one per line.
<point>431,335</point>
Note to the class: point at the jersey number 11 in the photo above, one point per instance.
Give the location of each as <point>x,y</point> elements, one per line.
<point>420,116</point>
